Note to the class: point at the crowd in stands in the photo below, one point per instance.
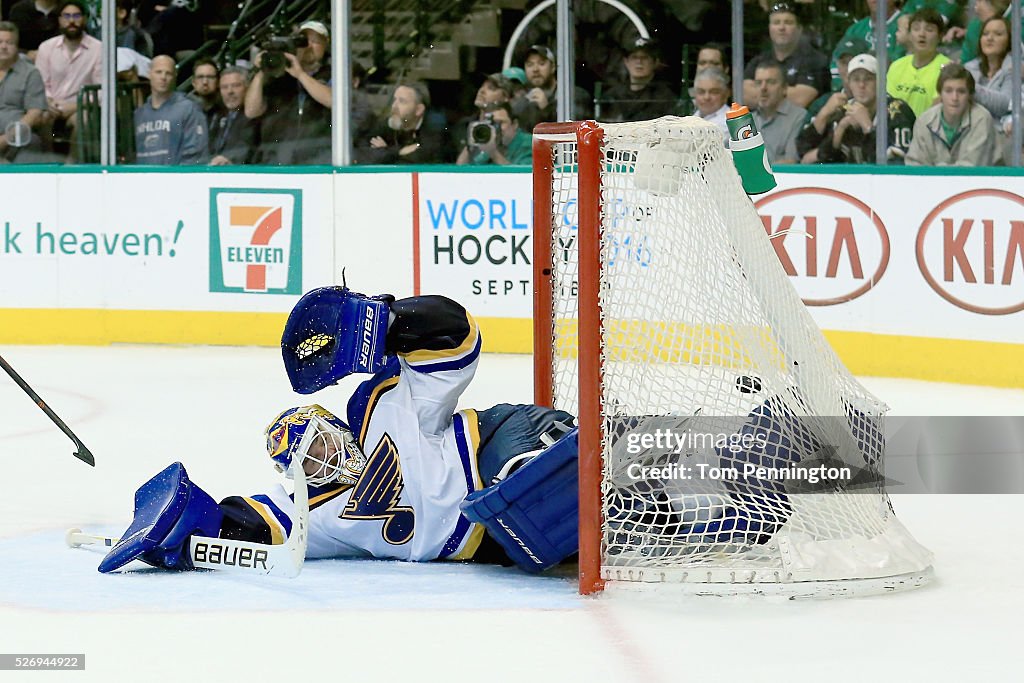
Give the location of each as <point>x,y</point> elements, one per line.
<point>949,85</point>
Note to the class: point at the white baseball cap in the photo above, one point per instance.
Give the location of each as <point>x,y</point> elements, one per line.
<point>317,27</point>
<point>865,61</point>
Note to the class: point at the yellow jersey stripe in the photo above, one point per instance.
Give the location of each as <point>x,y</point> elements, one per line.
<point>472,543</point>
<point>466,346</point>
<point>378,391</point>
<point>276,530</point>
<point>330,495</point>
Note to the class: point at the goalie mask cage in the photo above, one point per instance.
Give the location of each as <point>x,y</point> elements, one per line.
<point>660,307</point>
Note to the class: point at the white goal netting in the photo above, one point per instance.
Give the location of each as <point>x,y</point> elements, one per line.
<point>737,448</point>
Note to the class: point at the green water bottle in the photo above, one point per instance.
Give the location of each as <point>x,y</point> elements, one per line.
<point>748,151</point>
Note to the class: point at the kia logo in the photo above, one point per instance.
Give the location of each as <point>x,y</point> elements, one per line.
<point>832,245</point>
<point>970,251</point>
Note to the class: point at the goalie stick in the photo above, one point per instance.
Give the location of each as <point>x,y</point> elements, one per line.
<point>82,453</point>
<point>283,560</point>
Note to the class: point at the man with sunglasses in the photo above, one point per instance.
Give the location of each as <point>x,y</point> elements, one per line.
<point>67,62</point>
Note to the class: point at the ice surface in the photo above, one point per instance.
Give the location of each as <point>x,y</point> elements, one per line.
<point>139,408</point>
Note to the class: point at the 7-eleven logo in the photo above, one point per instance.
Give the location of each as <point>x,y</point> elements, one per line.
<point>256,241</point>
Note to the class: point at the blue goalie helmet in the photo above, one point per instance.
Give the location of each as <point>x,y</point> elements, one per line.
<point>324,445</point>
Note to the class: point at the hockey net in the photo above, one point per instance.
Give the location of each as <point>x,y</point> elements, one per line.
<point>664,319</point>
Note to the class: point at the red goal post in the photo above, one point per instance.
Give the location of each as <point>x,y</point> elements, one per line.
<point>588,136</point>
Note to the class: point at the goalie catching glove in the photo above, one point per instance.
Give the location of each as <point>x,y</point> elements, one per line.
<point>333,332</point>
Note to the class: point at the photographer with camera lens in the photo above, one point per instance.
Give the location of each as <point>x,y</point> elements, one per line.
<point>494,90</point>
<point>291,96</point>
<point>496,139</point>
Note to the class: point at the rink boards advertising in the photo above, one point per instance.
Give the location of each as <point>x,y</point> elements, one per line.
<point>904,271</point>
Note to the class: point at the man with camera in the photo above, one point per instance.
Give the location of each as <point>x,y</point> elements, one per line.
<point>291,96</point>
<point>496,139</point>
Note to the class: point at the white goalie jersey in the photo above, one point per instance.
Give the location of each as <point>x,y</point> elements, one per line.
<point>421,458</point>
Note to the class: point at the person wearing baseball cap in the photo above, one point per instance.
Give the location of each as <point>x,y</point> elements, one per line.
<point>294,108</point>
<point>538,104</point>
<point>821,109</point>
<point>805,68</point>
<point>849,132</point>
<point>495,91</point>
<point>641,96</point>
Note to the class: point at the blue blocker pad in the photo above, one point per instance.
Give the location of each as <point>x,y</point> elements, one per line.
<point>169,509</point>
<point>331,333</point>
<point>534,513</point>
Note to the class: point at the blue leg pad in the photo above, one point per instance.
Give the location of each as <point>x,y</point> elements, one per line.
<point>534,513</point>
<point>169,509</point>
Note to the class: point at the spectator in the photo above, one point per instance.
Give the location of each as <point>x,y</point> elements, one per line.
<point>864,30</point>
<point>404,138</point>
<point>205,90</point>
<point>517,77</point>
<point>503,143</point>
<point>983,11</point>
<point>912,78</point>
<point>951,13</point>
<point>129,33</point>
<point>805,68</point>
<point>36,21</point>
<point>22,99</point>
<point>232,135</point>
<point>992,69</point>
<point>711,95</point>
<point>821,110</point>
<point>956,131</point>
<point>642,97</point>
<point>776,117</point>
<point>850,130</point>
<point>713,55</point>
<point>493,92</point>
<point>170,129</point>
<point>67,62</point>
<point>539,103</point>
<point>294,107</point>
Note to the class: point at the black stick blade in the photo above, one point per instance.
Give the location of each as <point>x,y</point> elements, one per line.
<point>85,455</point>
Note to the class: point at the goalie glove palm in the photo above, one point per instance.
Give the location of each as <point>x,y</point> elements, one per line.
<point>333,332</point>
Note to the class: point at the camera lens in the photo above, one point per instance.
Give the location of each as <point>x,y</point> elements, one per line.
<point>273,62</point>
<point>481,133</point>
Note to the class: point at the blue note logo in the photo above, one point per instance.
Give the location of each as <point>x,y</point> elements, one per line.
<point>377,492</point>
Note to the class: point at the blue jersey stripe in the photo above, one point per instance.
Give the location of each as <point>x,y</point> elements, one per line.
<point>456,364</point>
<point>462,526</point>
<point>281,517</point>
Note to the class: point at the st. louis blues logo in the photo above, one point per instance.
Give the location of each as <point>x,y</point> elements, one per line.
<point>376,495</point>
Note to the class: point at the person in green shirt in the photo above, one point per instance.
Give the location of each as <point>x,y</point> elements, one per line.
<point>949,10</point>
<point>503,144</point>
<point>864,30</point>
<point>913,78</point>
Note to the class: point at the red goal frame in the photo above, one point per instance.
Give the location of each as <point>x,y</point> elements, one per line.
<point>589,140</point>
